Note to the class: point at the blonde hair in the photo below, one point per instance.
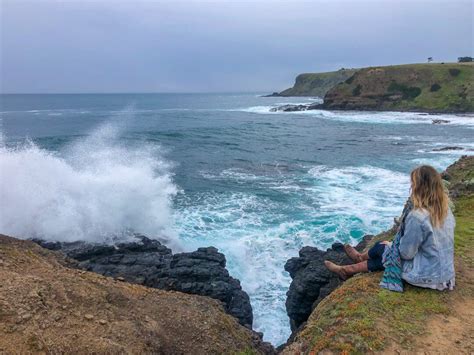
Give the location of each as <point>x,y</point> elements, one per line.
<point>427,193</point>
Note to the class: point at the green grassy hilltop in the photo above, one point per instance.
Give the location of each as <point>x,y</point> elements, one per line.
<point>429,87</point>
<point>317,84</point>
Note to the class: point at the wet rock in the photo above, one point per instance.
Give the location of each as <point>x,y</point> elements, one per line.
<point>312,281</point>
<point>438,121</point>
<point>443,149</point>
<point>148,262</point>
<point>296,108</point>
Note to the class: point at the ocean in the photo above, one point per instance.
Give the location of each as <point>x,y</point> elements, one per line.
<point>213,169</point>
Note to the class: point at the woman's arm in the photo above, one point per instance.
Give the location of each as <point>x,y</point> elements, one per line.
<point>412,238</point>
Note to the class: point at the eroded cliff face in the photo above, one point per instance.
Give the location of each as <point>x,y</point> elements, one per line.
<point>317,84</point>
<point>45,306</point>
<point>412,87</point>
<point>148,262</point>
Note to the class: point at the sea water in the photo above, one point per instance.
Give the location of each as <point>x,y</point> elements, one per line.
<point>213,169</point>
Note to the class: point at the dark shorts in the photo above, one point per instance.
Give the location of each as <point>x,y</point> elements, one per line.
<point>375,257</point>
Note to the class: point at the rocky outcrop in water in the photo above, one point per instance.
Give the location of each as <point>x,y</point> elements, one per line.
<point>148,262</point>
<point>438,121</point>
<point>296,108</point>
<point>312,281</point>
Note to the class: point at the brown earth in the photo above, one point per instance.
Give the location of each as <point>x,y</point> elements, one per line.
<point>46,307</point>
<point>451,333</point>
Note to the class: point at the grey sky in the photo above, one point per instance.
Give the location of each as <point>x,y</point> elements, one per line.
<point>203,46</point>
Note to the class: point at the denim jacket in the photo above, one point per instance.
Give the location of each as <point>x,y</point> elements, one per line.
<point>427,253</point>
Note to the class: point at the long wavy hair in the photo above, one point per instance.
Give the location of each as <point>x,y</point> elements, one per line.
<point>427,192</point>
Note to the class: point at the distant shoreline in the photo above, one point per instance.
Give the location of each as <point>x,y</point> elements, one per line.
<point>431,88</point>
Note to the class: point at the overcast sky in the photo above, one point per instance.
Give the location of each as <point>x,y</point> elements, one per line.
<point>204,46</point>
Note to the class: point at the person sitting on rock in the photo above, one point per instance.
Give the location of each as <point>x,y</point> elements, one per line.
<point>426,241</point>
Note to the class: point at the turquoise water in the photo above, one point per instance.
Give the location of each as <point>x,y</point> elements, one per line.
<point>213,169</point>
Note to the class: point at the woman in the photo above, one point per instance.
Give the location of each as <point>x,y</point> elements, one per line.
<point>426,244</point>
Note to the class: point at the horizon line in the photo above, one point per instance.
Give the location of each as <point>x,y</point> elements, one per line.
<point>137,93</point>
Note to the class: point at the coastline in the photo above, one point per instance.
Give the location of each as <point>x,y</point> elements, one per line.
<point>433,88</point>
<point>350,316</point>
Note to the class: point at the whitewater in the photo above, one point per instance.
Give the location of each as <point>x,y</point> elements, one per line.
<point>221,170</point>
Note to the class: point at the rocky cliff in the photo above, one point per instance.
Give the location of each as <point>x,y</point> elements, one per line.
<point>360,317</point>
<point>316,84</point>
<point>312,281</point>
<point>47,307</point>
<point>148,262</point>
<point>413,87</point>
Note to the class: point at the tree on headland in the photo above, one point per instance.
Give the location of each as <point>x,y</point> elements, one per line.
<point>464,59</point>
<point>430,59</point>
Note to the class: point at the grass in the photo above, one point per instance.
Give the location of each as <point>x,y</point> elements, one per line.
<point>453,83</point>
<point>360,317</point>
<point>465,230</point>
<point>317,84</point>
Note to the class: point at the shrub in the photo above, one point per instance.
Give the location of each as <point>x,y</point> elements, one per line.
<point>408,92</point>
<point>350,80</point>
<point>454,71</point>
<point>435,87</point>
<point>356,91</point>
<point>465,59</point>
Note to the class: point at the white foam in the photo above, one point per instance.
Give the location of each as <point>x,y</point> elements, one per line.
<point>256,109</point>
<point>94,190</point>
<point>370,194</point>
<point>381,117</point>
<point>258,233</point>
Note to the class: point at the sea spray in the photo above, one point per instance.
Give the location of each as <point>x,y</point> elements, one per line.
<point>95,189</point>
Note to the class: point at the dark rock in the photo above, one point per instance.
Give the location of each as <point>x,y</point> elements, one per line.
<point>150,263</point>
<point>274,94</point>
<point>438,121</point>
<point>289,108</point>
<point>311,280</point>
<point>447,148</point>
<point>296,108</point>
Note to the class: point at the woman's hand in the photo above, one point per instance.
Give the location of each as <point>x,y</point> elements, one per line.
<point>386,242</point>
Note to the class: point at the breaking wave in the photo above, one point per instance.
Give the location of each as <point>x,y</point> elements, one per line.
<point>95,189</point>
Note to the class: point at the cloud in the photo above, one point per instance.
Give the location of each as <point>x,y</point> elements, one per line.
<point>187,46</point>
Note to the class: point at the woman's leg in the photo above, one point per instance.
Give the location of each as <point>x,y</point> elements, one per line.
<point>375,257</point>
<point>355,255</point>
<point>347,271</point>
<point>370,261</point>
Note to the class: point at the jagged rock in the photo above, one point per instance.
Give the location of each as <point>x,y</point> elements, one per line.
<point>443,149</point>
<point>148,262</point>
<point>311,280</point>
<point>296,108</point>
<point>438,121</point>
